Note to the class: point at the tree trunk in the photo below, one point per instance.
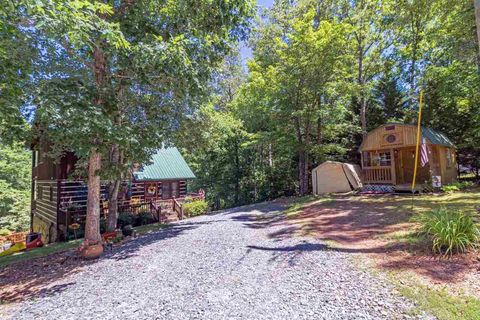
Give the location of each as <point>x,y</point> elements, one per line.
<point>92,223</point>
<point>363,115</point>
<point>113,189</point>
<point>303,171</point>
<point>361,85</point>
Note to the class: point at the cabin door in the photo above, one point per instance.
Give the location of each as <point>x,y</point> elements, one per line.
<point>406,161</point>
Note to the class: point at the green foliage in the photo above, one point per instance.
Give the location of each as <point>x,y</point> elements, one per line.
<point>15,184</point>
<point>143,218</point>
<point>457,186</point>
<point>450,231</point>
<point>195,208</point>
<point>124,219</point>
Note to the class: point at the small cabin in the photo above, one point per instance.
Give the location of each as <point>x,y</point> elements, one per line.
<point>388,157</point>
<point>58,196</point>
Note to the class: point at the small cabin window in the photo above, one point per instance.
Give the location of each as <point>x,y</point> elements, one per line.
<point>367,161</point>
<point>449,158</point>
<point>385,159</point>
<point>389,128</point>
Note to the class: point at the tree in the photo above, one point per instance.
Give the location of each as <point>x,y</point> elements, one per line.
<point>15,182</point>
<point>388,100</point>
<point>120,73</point>
<point>16,58</point>
<point>371,21</point>
<point>300,75</point>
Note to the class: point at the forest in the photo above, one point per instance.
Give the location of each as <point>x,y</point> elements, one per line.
<point>112,84</point>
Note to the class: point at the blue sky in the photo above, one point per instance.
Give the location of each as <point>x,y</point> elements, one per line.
<point>245,51</point>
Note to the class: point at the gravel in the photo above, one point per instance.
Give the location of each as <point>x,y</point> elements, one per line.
<point>222,266</point>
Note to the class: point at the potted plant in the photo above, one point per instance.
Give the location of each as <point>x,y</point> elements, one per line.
<point>91,249</point>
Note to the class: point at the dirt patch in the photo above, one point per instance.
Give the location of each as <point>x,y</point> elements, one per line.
<point>31,278</point>
<point>376,226</point>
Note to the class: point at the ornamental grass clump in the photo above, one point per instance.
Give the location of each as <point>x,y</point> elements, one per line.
<point>450,231</point>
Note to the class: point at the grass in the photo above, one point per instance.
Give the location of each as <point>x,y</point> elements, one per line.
<point>440,303</point>
<point>141,230</point>
<point>298,204</point>
<point>64,246</point>
<point>39,252</point>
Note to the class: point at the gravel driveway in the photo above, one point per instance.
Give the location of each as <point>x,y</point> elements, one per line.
<point>221,266</point>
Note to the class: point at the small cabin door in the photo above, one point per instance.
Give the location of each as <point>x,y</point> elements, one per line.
<point>407,161</point>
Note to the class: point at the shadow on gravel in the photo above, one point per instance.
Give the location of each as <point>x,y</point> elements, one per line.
<point>367,225</point>
<point>37,277</point>
<point>290,253</point>
<point>131,248</point>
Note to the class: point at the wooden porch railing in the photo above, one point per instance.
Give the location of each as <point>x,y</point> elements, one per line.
<point>377,175</point>
<point>177,208</point>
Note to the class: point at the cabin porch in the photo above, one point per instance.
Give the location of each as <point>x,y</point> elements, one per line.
<point>395,167</point>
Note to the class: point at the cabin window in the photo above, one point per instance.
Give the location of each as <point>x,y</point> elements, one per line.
<point>35,190</point>
<point>175,189</point>
<point>367,160</point>
<point>377,159</point>
<point>449,158</point>
<point>389,128</point>
<point>385,159</point>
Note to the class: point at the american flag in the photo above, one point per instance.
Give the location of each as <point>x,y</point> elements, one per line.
<point>423,153</point>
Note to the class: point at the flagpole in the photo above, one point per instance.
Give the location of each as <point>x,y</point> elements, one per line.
<point>419,134</point>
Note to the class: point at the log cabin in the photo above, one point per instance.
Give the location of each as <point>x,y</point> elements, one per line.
<point>388,157</point>
<point>59,198</point>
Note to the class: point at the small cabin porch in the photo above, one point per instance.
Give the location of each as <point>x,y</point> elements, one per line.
<point>388,157</point>
<point>393,167</point>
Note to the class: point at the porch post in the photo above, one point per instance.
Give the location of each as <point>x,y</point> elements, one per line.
<point>392,157</point>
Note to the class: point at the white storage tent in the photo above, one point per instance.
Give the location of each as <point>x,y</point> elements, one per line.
<point>331,176</point>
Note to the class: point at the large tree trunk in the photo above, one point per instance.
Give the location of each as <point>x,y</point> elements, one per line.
<point>92,223</point>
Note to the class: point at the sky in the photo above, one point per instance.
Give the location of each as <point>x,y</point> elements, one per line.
<point>245,51</point>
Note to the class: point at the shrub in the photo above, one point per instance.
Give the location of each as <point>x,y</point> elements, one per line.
<point>143,218</point>
<point>457,186</point>
<point>449,231</point>
<point>195,208</point>
<point>124,219</point>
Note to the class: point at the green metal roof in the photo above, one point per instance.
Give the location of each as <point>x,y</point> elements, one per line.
<point>167,164</point>
<point>436,137</point>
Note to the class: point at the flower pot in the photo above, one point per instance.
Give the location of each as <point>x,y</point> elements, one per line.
<point>92,252</point>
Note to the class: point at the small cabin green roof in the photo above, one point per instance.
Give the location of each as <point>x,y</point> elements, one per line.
<point>167,164</point>
<point>436,137</point>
